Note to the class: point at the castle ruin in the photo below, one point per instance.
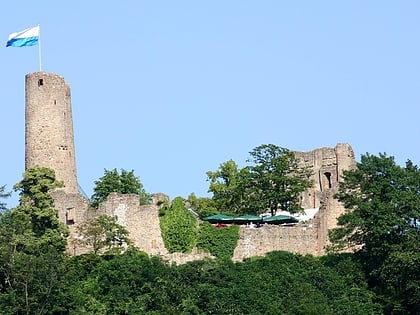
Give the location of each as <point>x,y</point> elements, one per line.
<point>49,142</point>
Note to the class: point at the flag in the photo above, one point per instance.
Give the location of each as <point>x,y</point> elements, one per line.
<point>28,37</point>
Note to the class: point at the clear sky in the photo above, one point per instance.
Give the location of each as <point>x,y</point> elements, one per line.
<point>172,89</point>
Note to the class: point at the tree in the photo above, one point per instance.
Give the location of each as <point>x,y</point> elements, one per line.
<point>37,205</point>
<point>277,180</point>
<point>382,202</point>
<point>32,245</point>
<point>3,195</point>
<point>103,232</point>
<point>124,183</point>
<point>203,206</point>
<point>228,185</point>
<point>273,181</point>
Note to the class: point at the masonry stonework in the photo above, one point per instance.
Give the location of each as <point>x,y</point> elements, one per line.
<point>49,127</point>
<point>49,143</point>
<point>327,165</point>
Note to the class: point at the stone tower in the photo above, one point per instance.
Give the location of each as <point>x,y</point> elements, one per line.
<point>49,140</point>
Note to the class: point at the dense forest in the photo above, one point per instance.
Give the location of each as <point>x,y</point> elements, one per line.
<point>372,266</point>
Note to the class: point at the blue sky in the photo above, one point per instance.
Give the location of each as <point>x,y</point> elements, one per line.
<point>172,89</point>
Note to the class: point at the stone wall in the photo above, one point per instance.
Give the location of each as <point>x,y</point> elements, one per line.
<point>300,238</point>
<point>303,238</point>
<point>327,165</point>
<point>142,222</point>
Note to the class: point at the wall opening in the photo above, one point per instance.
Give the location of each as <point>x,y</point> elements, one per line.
<point>329,179</point>
<point>40,82</point>
<point>70,216</point>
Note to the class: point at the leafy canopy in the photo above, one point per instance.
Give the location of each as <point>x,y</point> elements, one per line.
<point>229,187</point>
<point>36,205</point>
<point>203,206</point>
<point>3,195</point>
<point>113,181</point>
<point>276,179</point>
<point>382,201</point>
<point>32,246</point>
<point>381,222</point>
<point>272,181</point>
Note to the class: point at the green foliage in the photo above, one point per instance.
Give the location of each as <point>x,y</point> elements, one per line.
<point>220,242</point>
<point>134,283</point>
<point>112,284</point>
<point>276,179</point>
<point>382,205</point>
<point>36,205</point>
<point>273,181</point>
<point>179,227</point>
<point>203,206</point>
<point>3,195</point>
<point>124,183</point>
<point>103,233</point>
<point>32,244</point>
<point>229,187</point>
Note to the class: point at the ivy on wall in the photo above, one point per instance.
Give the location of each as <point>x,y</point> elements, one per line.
<point>220,242</point>
<point>181,232</point>
<point>178,226</point>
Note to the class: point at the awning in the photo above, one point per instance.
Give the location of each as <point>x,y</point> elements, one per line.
<point>247,219</point>
<point>279,219</point>
<point>219,218</point>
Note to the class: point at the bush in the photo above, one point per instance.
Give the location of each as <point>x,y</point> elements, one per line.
<point>220,242</point>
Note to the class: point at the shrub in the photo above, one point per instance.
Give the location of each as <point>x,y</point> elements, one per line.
<point>220,242</point>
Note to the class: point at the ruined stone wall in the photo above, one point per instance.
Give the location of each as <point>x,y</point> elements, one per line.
<point>327,165</point>
<point>300,238</point>
<point>303,238</point>
<point>142,222</point>
<point>73,209</point>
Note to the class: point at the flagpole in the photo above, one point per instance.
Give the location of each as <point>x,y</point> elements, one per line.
<point>39,48</point>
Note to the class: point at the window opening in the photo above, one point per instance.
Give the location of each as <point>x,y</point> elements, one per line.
<point>329,179</point>
<point>70,216</point>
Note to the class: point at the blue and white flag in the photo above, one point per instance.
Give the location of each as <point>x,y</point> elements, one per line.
<point>28,37</point>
